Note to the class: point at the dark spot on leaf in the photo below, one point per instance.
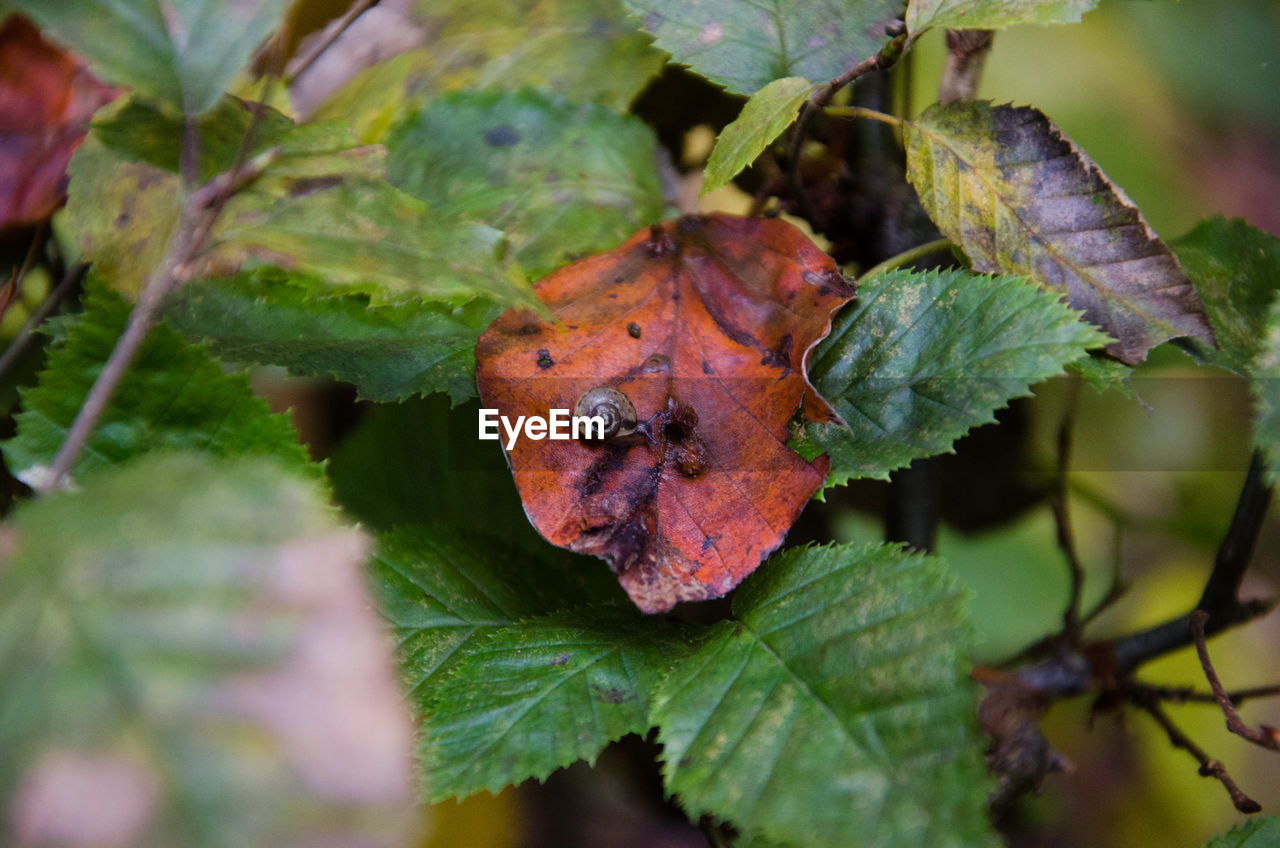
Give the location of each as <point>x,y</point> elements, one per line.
<point>706,367</point>
<point>633,330</point>
<point>709,541</point>
<point>530,330</point>
<point>780,356</point>
<point>310,185</point>
<point>592,480</point>
<point>561,659</point>
<point>620,278</point>
<point>123,218</point>
<point>503,135</point>
<point>610,694</point>
<point>544,359</point>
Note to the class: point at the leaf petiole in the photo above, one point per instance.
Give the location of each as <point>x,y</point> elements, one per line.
<point>863,112</point>
<point>906,257</point>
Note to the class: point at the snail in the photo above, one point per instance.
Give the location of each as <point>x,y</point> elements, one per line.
<point>610,404</point>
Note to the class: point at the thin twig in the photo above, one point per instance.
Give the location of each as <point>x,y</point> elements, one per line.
<point>189,153</point>
<point>884,59</point>
<point>172,271</point>
<point>1189,694</point>
<point>1209,767</point>
<point>68,284</point>
<point>1118,585</point>
<point>195,226</point>
<point>325,40</point>
<point>1267,737</point>
<point>967,51</point>
<point>906,257</point>
<point>1062,521</point>
<point>14,287</point>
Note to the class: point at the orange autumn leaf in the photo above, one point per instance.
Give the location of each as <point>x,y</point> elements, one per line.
<point>705,324</point>
<point>46,101</point>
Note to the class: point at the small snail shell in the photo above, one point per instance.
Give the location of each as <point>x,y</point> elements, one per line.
<point>612,405</point>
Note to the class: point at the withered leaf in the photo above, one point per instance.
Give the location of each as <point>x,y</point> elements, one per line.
<point>705,323</point>
<point>1020,198</point>
<point>46,98</point>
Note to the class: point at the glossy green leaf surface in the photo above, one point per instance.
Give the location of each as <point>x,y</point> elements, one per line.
<point>745,45</point>
<point>835,709</point>
<point>920,358</point>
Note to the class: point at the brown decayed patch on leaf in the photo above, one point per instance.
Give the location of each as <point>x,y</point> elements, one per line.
<point>46,101</point>
<point>705,324</point>
<point>1019,197</point>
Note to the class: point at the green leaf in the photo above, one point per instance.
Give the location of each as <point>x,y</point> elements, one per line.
<point>363,235</point>
<point>1019,198</point>
<point>835,710</point>
<point>1236,270</point>
<point>185,52</point>
<point>585,50</point>
<point>744,45</point>
<point>512,682</point>
<point>542,694</point>
<point>769,111</point>
<point>443,592</point>
<point>379,468</point>
<point>1255,832</point>
<point>120,214</point>
<point>173,397</point>
<point>389,352</point>
<point>1104,374</point>
<point>159,635</point>
<point>1265,384</point>
<point>920,358</point>
<point>992,14</point>
<point>152,132</point>
<point>560,180</point>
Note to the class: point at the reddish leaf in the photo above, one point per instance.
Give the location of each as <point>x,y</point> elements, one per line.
<point>705,324</point>
<point>46,99</point>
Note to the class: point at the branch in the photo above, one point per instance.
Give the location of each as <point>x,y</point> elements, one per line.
<point>967,51</point>
<point>19,345</point>
<point>1268,737</point>
<point>172,270</point>
<point>300,64</point>
<point>887,56</point>
<point>1236,551</point>
<point>1208,767</point>
<point>195,226</point>
<point>1071,624</point>
<point>1188,694</point>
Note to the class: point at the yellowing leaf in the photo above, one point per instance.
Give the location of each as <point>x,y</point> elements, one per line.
<point>1020,198</point>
